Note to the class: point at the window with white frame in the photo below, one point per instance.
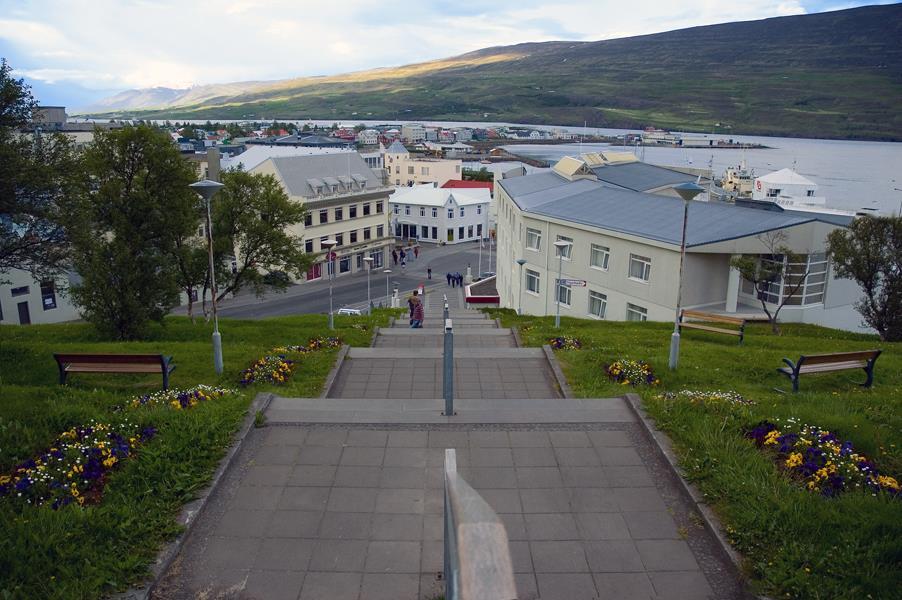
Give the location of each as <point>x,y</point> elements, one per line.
<point>599,257</point>
<point>407,210</point>
<point>434,212</point>
<point>564,294</point>
<point>636,313</point>
<point>533,239</point>
<point>533,281</point>
<point>461,211</point>
<point>566,251</point>
<point>479,209</point>
<point>397,209</point>
<point>812,289</point>
<point>422,211</point>
<point>640,267</point>
<point>598,304</point>
<point>450,213</point>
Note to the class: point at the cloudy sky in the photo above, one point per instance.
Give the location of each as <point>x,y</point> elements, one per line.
<point>75,51</point>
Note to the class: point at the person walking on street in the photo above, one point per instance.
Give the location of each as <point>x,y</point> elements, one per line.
<point>394,257</point>
<point>416,252</point>
<point>402,255</point>
<point>410,301</point>
<point>418,313</point>
<point>428,272</point>
<point>448,277</point>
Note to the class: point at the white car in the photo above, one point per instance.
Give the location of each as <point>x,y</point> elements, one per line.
<point>349,311</point>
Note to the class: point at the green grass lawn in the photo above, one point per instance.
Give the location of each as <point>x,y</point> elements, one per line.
<point>797,544</point>
<point>88,552</point>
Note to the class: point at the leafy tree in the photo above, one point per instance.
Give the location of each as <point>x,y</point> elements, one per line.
<point>870,252</point>
<point>37,174</point>
<point>125,227</point>
<point>306,127</point>
<point>359,127</point>
<point>779,265</point>
<point>482,174</point>
<point>252,218</point>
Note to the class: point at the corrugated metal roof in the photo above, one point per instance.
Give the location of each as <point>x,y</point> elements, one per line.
<point>641,214</point>
<point>297,171</point>
<point>639,176</point>
<point>426,195</point>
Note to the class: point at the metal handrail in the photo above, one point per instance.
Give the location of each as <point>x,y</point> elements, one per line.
<point>477,555</point>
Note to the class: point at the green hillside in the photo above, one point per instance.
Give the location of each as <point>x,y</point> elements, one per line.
<point>836,75</point>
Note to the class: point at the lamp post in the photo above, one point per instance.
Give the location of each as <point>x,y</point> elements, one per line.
<point>328,245</point>
<point>521,262</point>
<point>207,189</point>
<point>687,192</point>
<point>560,245</point>
<point>369,267</point>
<point>387,272</point>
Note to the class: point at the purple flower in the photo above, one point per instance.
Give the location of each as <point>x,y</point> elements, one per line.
<point>787,442</point>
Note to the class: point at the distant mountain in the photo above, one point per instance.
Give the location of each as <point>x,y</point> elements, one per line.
<point>835,74</point>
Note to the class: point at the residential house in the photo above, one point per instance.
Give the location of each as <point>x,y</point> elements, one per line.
<point>346,201</point>
<point>625,245</point>
<point>413,133</point>
<point>440,214</point>
<point>402,169</point>
<point>368,137</point>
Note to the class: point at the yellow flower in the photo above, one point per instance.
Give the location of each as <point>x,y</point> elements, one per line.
<point>794,460</point>
<point>771,438</point>
<point>888,482</point>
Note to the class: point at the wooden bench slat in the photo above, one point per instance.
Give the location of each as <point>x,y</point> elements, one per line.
<point>815,359</point>
<point>823,367</point>
<point>695,314</point>
<point>109,358</point>
<point>99,368</point>
<point>114,363</point>
<point>709,328</point>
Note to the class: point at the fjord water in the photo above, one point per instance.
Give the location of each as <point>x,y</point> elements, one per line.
<point>851,175</point>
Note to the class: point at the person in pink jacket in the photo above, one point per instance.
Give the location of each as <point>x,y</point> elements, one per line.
<point>418,315</point>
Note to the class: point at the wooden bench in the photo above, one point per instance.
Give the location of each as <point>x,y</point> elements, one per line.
<point>114,363</point>
<point>825,363</point>
<point>696,315</point>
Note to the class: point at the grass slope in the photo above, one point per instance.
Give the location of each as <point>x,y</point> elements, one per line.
<point>87,553</point>
<point>833,75</point>
<point>797,544</point>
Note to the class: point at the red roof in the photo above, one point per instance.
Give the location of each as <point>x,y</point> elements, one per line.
<point>460,183</point>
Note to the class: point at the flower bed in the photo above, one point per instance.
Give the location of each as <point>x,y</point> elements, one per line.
<point>631,372</point>
<point>180,399</point>
<point>565,342</point>
<point>274,369</point>
<point>818,459</point>
<point>75,467</point>
<point>707,397</point>
<point>317,343</point>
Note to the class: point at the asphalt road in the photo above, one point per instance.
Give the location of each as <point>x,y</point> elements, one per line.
<point>350,290</point>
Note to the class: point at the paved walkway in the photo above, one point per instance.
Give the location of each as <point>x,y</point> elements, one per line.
<point>341,498</point>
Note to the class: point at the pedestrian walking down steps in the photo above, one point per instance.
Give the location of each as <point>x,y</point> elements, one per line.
<point>417,314</point>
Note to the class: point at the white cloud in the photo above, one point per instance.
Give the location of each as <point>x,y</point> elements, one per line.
<point>104,44</point>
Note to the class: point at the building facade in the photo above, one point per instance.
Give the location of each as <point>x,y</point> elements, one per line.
<point>402,169</point>
<point>625,246</point>
<point>25,300</point>
<point>440,215</point>
<point>345,200</point>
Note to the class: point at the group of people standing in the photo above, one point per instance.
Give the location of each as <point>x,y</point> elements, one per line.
<point>455,279</point>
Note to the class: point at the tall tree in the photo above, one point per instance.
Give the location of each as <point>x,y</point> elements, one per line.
<point>252,218</point>
<point>870,252</point>
<point>38,173</point>
<point>779,269</point>
<point>125,227</point>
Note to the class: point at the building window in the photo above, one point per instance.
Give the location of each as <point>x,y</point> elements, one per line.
<point>566,251</point>
<point>308,246</point>
<point>533,282</point>
<point>367,233</point>
<point>812,288</point>
<point>340,238</point>
<point>774,192</point>
<point>424,170</point>
<point>378,208</point>
<point>479,209</point>
<point>376,255</point>
<point>450,213</point>
<point>434,212</point>
<point>308,220</point>
<point>460,233</point>
<point>457,168</point>
<point>640,267</point>
<point>397,208</point>
<point>435,233</point>
<point>324,216</point>
<point>598,304</point>
<point>366,208</point>
<point>19,291</point>
<point>469,231</point>
<point>407,210</point>
<point>322,240</point>
<point>352,211</point>
<point>636,313</point>
<point>360,261</point>
<point>479,230</point>
<point>564,294</point>
<point>380,231</point>
<point>423,211</point>
<point>533,239</point>
<point>353,236</point>
<point>48,295</point>
<point>344,264</point>
<point>339,213</point>
<point>461,211</point>
<point>599,257</point>
<point>410,170</point>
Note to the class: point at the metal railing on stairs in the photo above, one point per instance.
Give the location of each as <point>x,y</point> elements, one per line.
<point>477,555</point>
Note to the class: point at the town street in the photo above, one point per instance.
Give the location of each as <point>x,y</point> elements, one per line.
<point>350,291</point>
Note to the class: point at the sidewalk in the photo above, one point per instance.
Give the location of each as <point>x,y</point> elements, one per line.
<point>341,497</point>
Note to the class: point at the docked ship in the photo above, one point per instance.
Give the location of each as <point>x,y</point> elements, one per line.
<point>785,189</point>
<point>738,181</point>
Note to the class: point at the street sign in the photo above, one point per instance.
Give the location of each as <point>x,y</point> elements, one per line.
<point>571,282</point>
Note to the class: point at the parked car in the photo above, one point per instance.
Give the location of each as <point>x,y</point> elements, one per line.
<point>349,311</point>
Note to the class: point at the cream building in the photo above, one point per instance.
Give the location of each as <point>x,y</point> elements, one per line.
<point>346,201</point>
<point>626,246</point>
<point>401,169</point>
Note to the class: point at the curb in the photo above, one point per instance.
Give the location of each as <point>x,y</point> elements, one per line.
<point>664,447</point>
<point>515,331</point>
<point>556,371</point>
<point>333,373</point>
<point>194,509</point>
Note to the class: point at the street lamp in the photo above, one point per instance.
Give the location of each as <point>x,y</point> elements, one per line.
<point>207,189</point>
<point>521,262</point>
<point>369,267</point>
<point>328,245</point>
<point>387,272</point>
<point>687,192</point>
<point>560,245</point>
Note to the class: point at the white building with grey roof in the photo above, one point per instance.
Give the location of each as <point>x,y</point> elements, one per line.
<point>625,244</point>
<point>439,214</point>
<point>346,201</point>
